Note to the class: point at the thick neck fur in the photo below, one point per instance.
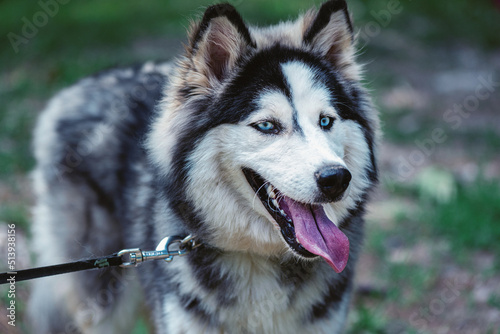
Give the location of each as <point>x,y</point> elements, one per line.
<point>218,291</point>
<point>247,293</point>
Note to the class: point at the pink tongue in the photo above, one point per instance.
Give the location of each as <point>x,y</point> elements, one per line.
<point>318,234</point>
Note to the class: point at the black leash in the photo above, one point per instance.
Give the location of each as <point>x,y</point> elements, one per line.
<point>27,274</point>
<point>135,257</point>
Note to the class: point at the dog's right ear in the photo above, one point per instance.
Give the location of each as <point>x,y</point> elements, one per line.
<point>218,41</point>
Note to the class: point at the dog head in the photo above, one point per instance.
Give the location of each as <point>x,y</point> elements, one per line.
<point>265,140</point>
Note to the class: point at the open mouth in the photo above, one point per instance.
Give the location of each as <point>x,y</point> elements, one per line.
<point>304,227</point>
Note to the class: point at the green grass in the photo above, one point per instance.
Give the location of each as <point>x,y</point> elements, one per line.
<point>366,321</point>
<point>140,327</point>
<point>438,22</point>
<point>395,125</point>
<point>458,224</point>
<point>460,19</point>
<point>15,214</point>
<point>487,139</point>
<point>407,279</point>
<point>471,219</point>
<point>15,138</point>
<point>108,24</point>
<point>493,331</point>
<point>466,215</point>
<point>494,301</point>
<point>395,130</point>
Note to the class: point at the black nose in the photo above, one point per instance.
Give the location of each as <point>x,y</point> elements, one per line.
<point>333,181</point>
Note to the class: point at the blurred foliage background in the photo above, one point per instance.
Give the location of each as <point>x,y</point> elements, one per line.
<point>431,261</point>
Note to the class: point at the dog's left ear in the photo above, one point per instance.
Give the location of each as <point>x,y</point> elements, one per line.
<point>219,41</point>
<point>330,34</point>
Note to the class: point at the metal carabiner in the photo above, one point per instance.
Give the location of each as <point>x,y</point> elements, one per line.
<point>162,251</point>
<point>135,257</point>
<point>164,246</point>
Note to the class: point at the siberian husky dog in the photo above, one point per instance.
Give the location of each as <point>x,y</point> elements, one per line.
<point>259,142</point>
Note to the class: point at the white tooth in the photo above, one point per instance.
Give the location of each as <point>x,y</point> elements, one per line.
<point>269,189</point>
<point>275,203</point>
<point>272,194</point>
<point>331,214</point>
<point>282,212</point>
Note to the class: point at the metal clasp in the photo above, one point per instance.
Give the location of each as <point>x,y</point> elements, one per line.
<point>163,251</point>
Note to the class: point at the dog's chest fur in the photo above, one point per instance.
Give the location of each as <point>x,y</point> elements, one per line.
<point>237,293</point>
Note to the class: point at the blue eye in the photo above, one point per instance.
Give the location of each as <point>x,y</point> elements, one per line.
<point>326,122</point>
<point>267,127</point>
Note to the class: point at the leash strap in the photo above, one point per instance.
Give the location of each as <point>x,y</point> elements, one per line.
<point>27,274</point>
<point>125,258</point>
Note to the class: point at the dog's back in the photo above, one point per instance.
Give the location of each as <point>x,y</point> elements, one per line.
<point>88,142</point>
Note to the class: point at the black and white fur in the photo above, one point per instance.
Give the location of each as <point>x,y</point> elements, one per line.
<point>130,156</point>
